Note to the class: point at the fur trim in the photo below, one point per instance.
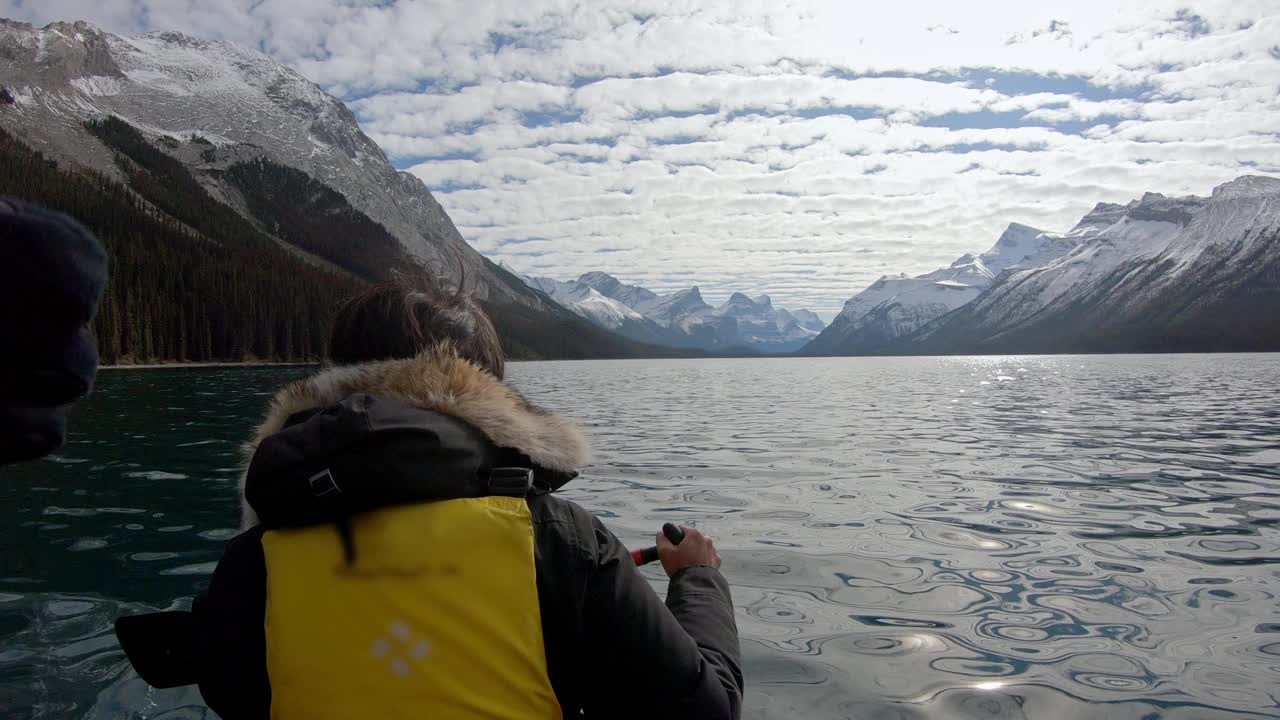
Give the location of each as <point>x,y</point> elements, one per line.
<point>440,380</point>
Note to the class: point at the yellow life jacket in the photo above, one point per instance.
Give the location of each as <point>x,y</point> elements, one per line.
<point>436,616</point>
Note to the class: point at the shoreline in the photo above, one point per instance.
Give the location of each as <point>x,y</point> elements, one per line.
<point>158,366</point>
<point>317,363</point>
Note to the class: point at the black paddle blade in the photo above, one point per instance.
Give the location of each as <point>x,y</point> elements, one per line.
<point>161,647</point>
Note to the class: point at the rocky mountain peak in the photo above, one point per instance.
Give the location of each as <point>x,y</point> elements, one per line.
<point>1248,185</point>
<point>632,296</point>
<point>1102,215</point>
<point>603,282</point>
<point>808,320</point>
<point>1152,206</point>
<point>180,39</point>
<point>692,295</point>
<point>597,277</point>
<point>58,52</point>
<point>739,300</point>
<point>739,304</point>
<point>1016,234</point>
<point>886,278</point>
<point>1017,243</point>
<point>1156,207</point>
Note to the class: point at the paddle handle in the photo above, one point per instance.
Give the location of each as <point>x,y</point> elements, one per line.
<point>644,556</point>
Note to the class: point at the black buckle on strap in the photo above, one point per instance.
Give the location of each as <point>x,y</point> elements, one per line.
<point>510,481</point>
<point>322,484</point>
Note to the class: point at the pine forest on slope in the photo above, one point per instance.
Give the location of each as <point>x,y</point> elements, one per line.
<point>174,293</point>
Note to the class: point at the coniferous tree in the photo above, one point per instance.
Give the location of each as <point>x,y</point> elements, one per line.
<point>182,282</point>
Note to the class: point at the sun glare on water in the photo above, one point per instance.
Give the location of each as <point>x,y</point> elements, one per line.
<point>992,685</point>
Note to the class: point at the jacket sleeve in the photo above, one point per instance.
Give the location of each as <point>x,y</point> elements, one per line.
<point>647,660</point>
<point>230,639</point>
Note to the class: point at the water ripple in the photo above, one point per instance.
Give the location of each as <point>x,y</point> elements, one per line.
<point>924,538</point>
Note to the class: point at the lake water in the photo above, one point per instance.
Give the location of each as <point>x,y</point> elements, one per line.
<point>1022,537</point>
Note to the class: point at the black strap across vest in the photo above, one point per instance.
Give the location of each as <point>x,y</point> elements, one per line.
<point>505,482</point>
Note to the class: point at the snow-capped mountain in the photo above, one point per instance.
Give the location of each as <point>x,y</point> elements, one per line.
<point>1160,273</point>
<point>591,304</point>
<point>587,302</point>
<point>897,306</point>
<point>683,309</point>
<point>239,104</point>
<point>633,296</point>
<point>808,320</point>
<point>1110,237</point>
<point>766,328</point>
<point>1021,246</point>
<point>683,318</point>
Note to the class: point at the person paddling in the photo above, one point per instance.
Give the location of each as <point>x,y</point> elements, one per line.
<point>403,554</point>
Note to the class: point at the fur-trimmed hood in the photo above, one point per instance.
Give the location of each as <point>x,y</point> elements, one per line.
<point>441,381</point>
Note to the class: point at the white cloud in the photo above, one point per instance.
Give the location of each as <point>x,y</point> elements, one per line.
<point>796,148</point>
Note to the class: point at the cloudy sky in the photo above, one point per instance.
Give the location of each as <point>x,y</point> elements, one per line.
<point>801,149</point>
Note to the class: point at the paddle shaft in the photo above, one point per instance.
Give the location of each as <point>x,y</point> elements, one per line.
<point>644,556</point>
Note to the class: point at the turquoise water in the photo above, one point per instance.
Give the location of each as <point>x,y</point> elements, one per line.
<point>1040,537</point>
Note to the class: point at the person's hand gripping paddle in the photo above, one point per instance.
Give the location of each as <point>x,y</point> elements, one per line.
<point>644,556</point>
<point>679,548</point>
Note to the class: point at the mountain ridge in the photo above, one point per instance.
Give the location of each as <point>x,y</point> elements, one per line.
<point>1157,274</point>
<point>896,306</point>
<point>682,318</point>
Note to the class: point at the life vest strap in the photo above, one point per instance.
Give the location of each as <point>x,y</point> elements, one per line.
<point>510,481</point>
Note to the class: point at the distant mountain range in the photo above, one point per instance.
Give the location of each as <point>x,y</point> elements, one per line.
<point>239,203</point>
<point>683,319</point>
<point>1158,274</point>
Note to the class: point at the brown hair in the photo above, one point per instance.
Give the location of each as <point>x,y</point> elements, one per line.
<point>398,319</point>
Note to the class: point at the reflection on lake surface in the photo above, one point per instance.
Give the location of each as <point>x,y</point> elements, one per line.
<point>1039,537</point>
